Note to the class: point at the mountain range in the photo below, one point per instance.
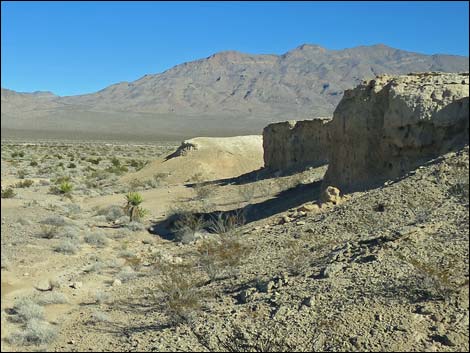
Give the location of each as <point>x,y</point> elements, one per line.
<point>228,93</point>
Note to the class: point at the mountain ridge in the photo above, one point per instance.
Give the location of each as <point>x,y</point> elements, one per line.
<point>253,89</point>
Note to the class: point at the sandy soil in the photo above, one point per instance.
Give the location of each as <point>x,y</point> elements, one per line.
<point>385,270</point>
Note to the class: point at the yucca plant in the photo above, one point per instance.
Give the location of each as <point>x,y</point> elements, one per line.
<point>65,188</point>
<point>132,208</point>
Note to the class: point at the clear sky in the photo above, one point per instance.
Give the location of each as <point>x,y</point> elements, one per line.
<point>81,47</point>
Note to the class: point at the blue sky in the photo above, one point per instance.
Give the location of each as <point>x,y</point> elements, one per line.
<point>80,47</point>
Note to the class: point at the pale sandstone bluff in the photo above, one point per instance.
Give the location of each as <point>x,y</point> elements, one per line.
<point>295,144</point>
<point>390,125</point>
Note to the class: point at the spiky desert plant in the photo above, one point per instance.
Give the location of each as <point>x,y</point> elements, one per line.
<point>132,208</point>
<point>65,188</point>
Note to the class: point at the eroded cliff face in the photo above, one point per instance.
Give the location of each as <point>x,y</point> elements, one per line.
<point>390,125</point>
<point>295,144</point>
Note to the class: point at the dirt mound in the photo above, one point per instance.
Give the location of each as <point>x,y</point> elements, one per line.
<point>206,158</point>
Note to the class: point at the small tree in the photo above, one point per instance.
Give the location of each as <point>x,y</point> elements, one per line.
<point>132,208</point>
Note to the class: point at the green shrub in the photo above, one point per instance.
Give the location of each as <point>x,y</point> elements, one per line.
<point>24,184</point>
<point>8,193</point>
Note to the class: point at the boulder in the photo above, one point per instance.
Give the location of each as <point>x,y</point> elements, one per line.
<point>332,195</point>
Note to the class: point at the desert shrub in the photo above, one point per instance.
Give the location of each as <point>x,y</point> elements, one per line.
<point>186,224</point>
<point>263,336</point>
<point>99,316</point>
<point>48,298</point>
<point>96,238</point>
<point>112,213</point>
<point>132,208</point>
<point>203,192</point>
<point>102,297</point>
<point>36,332</point>
<point>94,161</point>
<point>70,232</point>
<point>178,292</point>
<point>117,169</point>
<point>137,164</point>
<point>17,154</point>
<point>159,177</point>
<point>25,309</point>
<point>24,184</point>
<point>437,281</point>
<point>49,231</point>
<point>126,274</point>
<point>55,220</point>
<point>8,193</point>
<point>219,256</point>
<point>223,223</point>
<point>73,209</point>
<point>67,246</point>
<point>61,179</point>
<point>97,267</point>
<point>298,258</point>
<point>460,191</point>
<point>137,184</point>
<point>135,226</point>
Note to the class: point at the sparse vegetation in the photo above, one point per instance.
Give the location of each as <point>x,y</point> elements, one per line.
<point>96,238</point>
<point>132,207</point>
<point>24,184</point>
<point>186,224</point>
<point>8,193</point>
<point>221,256</point>
<point>36,332</point>
<point>179,295</point>
<point>67,246</point>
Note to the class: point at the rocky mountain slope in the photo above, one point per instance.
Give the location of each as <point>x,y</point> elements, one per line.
<point>226,93</point>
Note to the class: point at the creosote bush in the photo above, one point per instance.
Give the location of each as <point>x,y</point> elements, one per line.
<point>222,255</point>
<point>179,293</point>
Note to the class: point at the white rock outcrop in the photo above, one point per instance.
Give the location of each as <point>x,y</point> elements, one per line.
<point>295,144</point>
<point>388,126</point>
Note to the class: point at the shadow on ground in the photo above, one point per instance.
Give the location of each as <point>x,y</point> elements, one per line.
<point>281,202</point>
